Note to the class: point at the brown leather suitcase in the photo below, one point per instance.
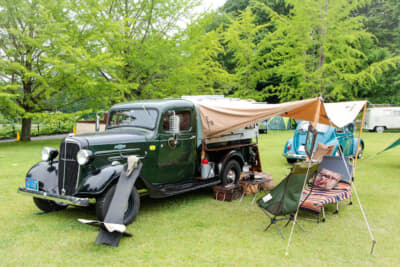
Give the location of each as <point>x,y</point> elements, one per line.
<point>227,192</point>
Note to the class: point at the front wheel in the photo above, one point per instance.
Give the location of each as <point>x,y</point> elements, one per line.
<point>132,207</point>
<point>231,172</point>
<point>48,205</point>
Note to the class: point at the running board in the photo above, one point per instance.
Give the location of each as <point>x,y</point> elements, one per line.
<point>187,186</point>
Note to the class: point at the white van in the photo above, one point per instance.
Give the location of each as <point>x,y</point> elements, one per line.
<point>379,119</point>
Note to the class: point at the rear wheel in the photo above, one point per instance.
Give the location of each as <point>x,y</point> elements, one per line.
<point>132,207</point>
<point>360,151</point>
<point>380,129</point>
<point>231,172</point>
<point>291,160</point>
<point>48,205</point>
<point>339,152</point>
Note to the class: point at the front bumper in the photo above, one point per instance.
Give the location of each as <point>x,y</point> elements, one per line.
<point>294,156</point>
<point>77,201</point>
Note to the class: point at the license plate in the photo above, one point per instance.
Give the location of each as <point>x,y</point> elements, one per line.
<point>301,148</point>
<point>32,184</point>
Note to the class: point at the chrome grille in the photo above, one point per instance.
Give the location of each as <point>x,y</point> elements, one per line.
<point>68,168</point>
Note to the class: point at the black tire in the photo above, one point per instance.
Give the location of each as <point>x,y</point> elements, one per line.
<point>103,202</point>
<point>291,160</point>
<point>231,172</point>
<point>339,152</point>
<point>379,129</point>
<point>48,205</point>
<point>360,151</point>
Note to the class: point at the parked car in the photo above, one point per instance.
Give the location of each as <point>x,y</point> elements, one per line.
<point>294,148</point>
<point>381,119</point>
<point>165,132</point>
<point>263,126</point>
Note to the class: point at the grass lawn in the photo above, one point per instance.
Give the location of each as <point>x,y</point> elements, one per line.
<point>194,229</point>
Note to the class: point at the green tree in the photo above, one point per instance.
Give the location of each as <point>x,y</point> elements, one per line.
<point>45,61</point>
<point>196,70</point>
<point>381,18</point>
<point>317,49</point>
<point>144,36</point>
<point>240,40</point>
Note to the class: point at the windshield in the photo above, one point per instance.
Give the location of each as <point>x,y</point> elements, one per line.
<point>138,117</point>
<point>303,127</point>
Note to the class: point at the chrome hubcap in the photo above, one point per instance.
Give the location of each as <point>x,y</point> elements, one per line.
<point>231,176</point>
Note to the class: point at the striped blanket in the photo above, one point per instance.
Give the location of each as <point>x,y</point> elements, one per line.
<point>319,198</point>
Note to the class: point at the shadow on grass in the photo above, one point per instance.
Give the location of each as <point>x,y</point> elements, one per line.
<point>147,205</point>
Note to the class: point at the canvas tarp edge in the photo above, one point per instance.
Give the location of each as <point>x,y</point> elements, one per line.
<point>218,117</point>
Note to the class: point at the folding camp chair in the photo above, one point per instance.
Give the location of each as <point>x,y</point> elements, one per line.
<point>283,200</point>
<point>322,150</point>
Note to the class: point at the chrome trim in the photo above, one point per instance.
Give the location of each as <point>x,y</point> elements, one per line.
<point>77,201</point>
<point>116,151</point>
<point>294,156</point>
<point>79,166</point>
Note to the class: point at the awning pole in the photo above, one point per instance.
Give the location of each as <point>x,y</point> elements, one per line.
<point>359,139</point>
<point>316,119</point>
<point>354,186</point>
<point>317,113</point>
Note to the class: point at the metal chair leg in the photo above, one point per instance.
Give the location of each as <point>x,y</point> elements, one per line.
<point>300,226</point>
<point>279,229</point>
<point>269,225</point>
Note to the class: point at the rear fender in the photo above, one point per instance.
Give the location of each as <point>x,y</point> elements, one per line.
<point>47,176</point>
<point>289,142</point>
<point>354,145</point>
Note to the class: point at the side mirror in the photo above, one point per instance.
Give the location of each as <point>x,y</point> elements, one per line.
<point>97,122</point>
<point>98,119</point>
<point>174,123</point>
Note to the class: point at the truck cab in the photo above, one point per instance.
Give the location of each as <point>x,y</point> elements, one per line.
<point>166,134</point>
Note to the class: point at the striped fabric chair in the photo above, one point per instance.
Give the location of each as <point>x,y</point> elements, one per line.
<point>314,199</point>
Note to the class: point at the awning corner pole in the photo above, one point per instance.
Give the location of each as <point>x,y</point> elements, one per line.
<point>316,118</point>
<point>317,113</point>
<point>359,139</point>
<point>354,186</point>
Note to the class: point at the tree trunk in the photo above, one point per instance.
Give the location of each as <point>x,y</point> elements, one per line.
<point>26,129</point>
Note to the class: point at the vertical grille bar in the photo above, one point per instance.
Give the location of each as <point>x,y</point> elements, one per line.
<point>68,168</point>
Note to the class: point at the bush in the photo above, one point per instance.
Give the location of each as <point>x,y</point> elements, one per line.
<point>10,131</point>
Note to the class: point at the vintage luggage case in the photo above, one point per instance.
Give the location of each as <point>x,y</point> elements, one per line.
<point>227,192</point>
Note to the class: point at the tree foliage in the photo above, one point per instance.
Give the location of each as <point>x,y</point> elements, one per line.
<point>318,50</point>
<point>82,55</point>
<point>46,62</point>
<point>381,18</point>
<point>73,55</point>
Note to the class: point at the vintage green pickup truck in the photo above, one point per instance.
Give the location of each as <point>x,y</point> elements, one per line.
<point>166,134</point>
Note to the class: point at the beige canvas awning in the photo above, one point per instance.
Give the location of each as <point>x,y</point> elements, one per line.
<point>220,116</point>
<point>343,113</point>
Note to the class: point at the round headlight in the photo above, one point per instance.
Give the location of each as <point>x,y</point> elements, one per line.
<point>84,156</point>
<point>49,153</point>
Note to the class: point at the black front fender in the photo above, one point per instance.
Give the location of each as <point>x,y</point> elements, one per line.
<point>47,176</point>
<point>97,182</point>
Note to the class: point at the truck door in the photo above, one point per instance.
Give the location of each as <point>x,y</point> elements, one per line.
<point>177,159</point>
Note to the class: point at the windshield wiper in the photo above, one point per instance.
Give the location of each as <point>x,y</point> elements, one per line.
<point>147,112</point>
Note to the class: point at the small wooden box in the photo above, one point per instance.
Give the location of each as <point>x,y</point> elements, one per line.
<point>227,192</point>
